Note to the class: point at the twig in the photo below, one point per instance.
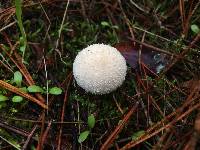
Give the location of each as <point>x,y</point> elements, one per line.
<point>126,20</point>
<point>29,138</point>
<point>44,137</point>
<point>182,13</point>
<point>83,9</point>
<point>39,145</point>
<point>13,129</point>
<point>155,48</point>
<point>63,111</point>
<point>196,133</point>
<point>7,26</point>
<point>119,128</point>
<point>6,66</point>
<point>118,105</point>
<point>49,26</point>
<point>138,7</point>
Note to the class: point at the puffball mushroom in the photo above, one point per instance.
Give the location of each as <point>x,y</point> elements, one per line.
<point>99,69</point>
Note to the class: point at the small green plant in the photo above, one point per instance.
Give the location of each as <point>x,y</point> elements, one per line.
<point>17,79</point>
<point>35,89</point>
<point>195,28</point>
<point>17,99</point>
<point>55,91</point>
<point>91,123</point>
<point>83,136</point>
<point>38,89</point>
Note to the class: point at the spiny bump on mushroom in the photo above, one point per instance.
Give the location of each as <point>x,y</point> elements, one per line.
<point>99,69</point>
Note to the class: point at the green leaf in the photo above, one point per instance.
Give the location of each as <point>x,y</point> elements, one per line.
<point>195,28</point>
<point>3,98</point>
<point>104,23</point>
<point>35,89</point>
<point>24,89</point>
<point>115,27</point>
<point>91,121</point>
<point>17,99</point>
<point>55,91</point>
<point>138,134</point>
<point>18,5</point>
<point>22,47</point>
<point>83,136</point>
<point>18,78</point>
<point>23,40</point>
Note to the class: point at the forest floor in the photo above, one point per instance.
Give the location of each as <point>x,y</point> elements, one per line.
<point>42,107</point>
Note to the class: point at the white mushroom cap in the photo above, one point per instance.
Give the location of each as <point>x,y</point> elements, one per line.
<point>99,69</point>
